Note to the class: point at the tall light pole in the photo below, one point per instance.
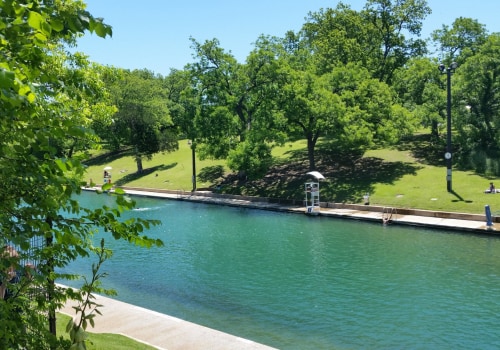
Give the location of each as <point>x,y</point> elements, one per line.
<point>193,155</point>
<point>448,155</point>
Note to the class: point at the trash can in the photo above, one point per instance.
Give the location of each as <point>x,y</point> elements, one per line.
<point>366,199</point>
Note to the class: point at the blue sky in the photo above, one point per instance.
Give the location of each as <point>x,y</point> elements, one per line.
<point>155,34</point>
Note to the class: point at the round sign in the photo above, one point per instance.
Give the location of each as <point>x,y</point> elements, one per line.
<point>447,155</point>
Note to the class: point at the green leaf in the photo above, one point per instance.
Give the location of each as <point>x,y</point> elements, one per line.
<point>35,20</point>
<point>31,97</point>
<point>61,164</point>
<point>41,38</point>
<point>107,187</point>
<point>57,25</point>
<point>119,191</point>
<point>6,79</point>
<point>100,30</point>
<point>69,326</point>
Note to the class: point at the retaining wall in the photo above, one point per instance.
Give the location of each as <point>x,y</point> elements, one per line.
<point>298,203</point>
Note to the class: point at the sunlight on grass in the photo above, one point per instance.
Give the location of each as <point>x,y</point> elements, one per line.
<point>101,341</point>
<point>415,185</point>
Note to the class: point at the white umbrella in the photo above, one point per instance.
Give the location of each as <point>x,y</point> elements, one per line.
<point>108,168</point>
<point>316,174</point>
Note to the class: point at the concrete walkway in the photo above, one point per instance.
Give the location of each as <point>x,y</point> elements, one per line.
<point>448,221</point>
<point>159,330</point>
<point>166,332</point>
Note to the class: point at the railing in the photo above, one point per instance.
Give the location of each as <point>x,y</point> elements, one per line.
<point>388,215</point>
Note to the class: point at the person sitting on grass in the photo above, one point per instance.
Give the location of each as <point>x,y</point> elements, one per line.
<point>491,189</point>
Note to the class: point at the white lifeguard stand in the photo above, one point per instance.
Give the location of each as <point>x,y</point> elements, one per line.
<point>107,175</point>
<point>312,193</point>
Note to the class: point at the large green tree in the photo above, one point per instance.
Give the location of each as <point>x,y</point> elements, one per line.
<point>236,103</point>
<point>476,96</point>
<point>396,30</point>
<point>382,37</point>
<point>422,90</point>
<point>39,182</point>
<point>336,36</point>
<point>347,107</point>
<point>143,121</point>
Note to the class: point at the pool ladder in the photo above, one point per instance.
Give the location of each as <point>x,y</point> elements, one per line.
<point>388,215</point>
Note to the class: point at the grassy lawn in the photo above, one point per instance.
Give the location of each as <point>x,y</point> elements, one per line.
<point>413,176</point>
<point>169,171</point>
<point>426,189</point>
<point>101,341</point>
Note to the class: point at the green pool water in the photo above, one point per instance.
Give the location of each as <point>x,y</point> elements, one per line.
<point>297,282</point>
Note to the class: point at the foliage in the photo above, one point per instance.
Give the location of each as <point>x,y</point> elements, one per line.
<point>142,121</point>
<point>347,106</point>
<point>216,80</point>
<point>477,110</point>
<point>88,308</point>
<point>236,101</point>
<point>461,41</point>
<point>337,36</point>
<point>421,90</point>
<point>374,37</point>
<point>251,159</point>
<point>391,21</point>
<point>38,83</point>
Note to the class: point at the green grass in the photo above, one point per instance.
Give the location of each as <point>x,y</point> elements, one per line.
<point>427,189</point>
<point>101,341</point>
<point>410,176</point>
<point>168,171</point>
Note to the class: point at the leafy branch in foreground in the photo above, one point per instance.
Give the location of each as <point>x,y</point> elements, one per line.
<point>88,308</point>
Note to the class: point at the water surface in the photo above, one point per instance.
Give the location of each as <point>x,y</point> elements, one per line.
<point>297,282</point>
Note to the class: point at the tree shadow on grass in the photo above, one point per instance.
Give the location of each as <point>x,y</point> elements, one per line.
<point>425,148</point>
<point>348,178</point>
<point>211,173</point>
<point>135,176</point>
<point>108,157</point>
<point>348,183</point>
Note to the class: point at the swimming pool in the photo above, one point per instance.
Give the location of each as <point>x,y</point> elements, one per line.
<point>297,282</point>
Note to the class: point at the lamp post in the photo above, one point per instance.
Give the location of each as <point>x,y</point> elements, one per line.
<point>448,155</point>
<point>193,155</point>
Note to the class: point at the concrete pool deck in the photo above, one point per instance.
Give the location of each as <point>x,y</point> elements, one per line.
<point>167,332</point>
<point>159,330</point>
<point>439,220</point>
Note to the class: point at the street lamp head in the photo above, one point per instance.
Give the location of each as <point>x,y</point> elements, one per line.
<point>442,68</point>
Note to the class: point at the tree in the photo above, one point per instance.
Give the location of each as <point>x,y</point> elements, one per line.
<point>461,41</point>
<point>381,37</point>
<point>236,100</point>
<point>476,92</point>
<point>88,103</point>
<point>336,36</point>
<point>391,20</point>
<point>346,106</point>
<point>39,182</point>
<point>142,121</point>
<point>421,89</point>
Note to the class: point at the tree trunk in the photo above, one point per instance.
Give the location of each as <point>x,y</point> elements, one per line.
<point>435,129</point>
<point>138,161</point>
<point>310,153</point>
